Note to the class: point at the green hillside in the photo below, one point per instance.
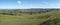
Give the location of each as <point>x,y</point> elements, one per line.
<point>48,18</point>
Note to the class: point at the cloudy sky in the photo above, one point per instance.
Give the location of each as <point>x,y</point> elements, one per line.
<point>29,4</point>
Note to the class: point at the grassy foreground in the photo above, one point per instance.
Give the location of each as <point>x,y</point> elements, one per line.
<point>27,19</point>
<point>17,20</point>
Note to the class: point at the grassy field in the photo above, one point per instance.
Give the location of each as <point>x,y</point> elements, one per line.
<point>17,20</point>
<point>27,19</point>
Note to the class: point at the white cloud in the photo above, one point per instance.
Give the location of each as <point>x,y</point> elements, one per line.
<point>53,5</point>
<point>45,2</point>
<point>19,2</point>
<point>57,5</point>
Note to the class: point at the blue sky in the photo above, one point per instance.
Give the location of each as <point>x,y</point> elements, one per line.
<point>30,4</point>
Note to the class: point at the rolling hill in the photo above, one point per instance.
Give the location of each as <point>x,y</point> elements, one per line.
<point>48,18</point>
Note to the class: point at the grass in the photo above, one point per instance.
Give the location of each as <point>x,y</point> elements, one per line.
<point>17,20</point>
<point>27,19</point>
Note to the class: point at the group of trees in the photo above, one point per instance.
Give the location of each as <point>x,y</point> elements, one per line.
<point>8,13</point>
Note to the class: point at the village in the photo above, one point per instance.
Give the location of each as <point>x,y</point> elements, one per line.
<point>25,11</point>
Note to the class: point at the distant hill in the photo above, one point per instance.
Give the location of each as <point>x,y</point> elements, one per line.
<point>32,10</point>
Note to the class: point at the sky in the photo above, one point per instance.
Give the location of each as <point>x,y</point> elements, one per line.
<point>19,4</point>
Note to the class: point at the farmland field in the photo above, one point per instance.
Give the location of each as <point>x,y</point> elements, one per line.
<point>28,19</point>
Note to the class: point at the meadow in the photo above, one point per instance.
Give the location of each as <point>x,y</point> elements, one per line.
<point>34,19</point>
